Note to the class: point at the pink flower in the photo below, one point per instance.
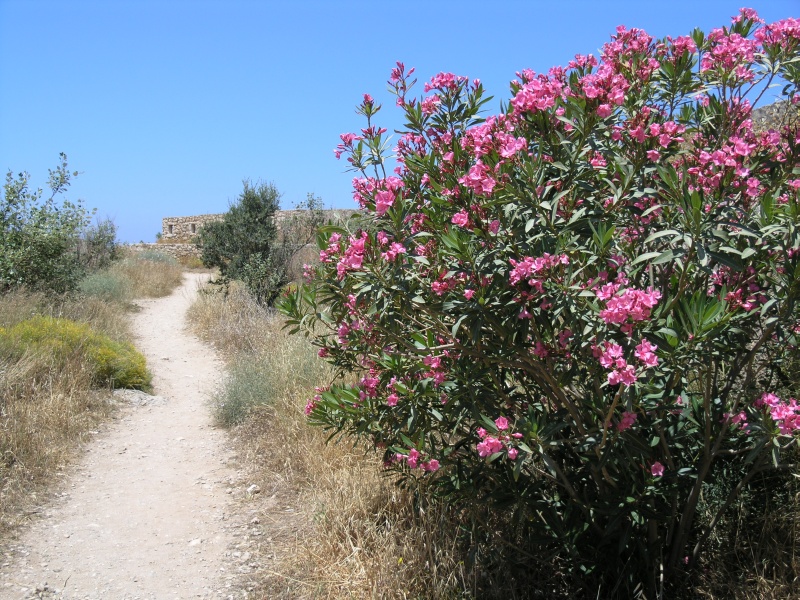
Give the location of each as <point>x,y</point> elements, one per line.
<point>489,446</point>
<point>604,110</point>
<point>767,399</point>
<point>479,179</point>
<point>383,201</point>
<point>494,226</point>
<point>431,465</point>
<point>627,420</point>
<point>512,453</point>
<point>323,352</point>
<point>739,419</point>
<point>632,304</point>
<point>502,423</point>
<point>430,104</point>
<point>468,294</point>
<point>392,400</point>
<point>610,354</point>
<point>311,405</point>
<point>625,374</point>
<point>645,352</point>
<point>461,218</point>
<point>638,134</point>
<point>657,469</point>
<point>395,250</point>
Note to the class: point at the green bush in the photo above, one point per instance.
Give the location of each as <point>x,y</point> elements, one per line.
<point>97,246</point>
<point>40,239</point>
<point>246,386</point>
<point>572,314</point>
<point>112,363</point>
<point>247,244</point>
<point>107,286</point>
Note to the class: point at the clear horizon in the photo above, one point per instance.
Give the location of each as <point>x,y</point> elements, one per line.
<point>165,107</point>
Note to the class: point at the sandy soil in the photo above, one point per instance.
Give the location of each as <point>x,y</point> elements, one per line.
<point>154,508</point>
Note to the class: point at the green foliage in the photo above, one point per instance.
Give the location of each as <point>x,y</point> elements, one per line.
<point>106,285</point>
<point>97,245</point>
<point>248,245</point>
<point>112,363</point>
<point>39,238</point>
<point>247,230</point>
<point>575,313</point>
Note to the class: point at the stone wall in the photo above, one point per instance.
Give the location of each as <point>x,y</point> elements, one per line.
<point>182,229</point>
<point>177,251</point>
<point>775,116</point>
<point>177,233</point>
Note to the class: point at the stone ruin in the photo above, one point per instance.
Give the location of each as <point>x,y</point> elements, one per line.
<point>182,230</point>
<point>179,233</point>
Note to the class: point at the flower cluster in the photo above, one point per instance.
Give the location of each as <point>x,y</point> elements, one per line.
<point>529,266</point>
<point>414,460</point>
<point>785,414</point>
<point>629,307</point>
<point>501,442</point>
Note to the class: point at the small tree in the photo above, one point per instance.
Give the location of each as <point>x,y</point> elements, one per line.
<point>39,238</point>
<point>248,245</point>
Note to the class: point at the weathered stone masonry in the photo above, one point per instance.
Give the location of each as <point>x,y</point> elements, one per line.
<point>183,229</point>
<point>178,233</point>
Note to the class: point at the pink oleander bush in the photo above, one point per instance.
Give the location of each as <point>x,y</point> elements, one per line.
<point>576,312</point>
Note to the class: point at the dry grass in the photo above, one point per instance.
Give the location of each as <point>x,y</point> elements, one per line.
<point>47,411</point>
<point>44,415</point>
<point>151,274</point>
<point>231,321</point>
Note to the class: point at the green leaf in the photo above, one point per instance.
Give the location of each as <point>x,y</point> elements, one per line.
<point>660,234</point>
<point>645,257</point>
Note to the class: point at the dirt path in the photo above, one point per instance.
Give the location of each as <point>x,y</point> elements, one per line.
<point>147,512</point>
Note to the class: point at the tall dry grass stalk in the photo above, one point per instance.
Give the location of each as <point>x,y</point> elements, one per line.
<point>231,320</point>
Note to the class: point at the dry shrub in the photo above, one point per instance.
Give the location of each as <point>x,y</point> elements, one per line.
<point>192,262</point>
<point>109,318</point>
<point>756,554</point>
<point>345,531</point>
<point>19,304</point>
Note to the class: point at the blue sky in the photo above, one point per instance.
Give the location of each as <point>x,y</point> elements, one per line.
<point>164,106</point>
